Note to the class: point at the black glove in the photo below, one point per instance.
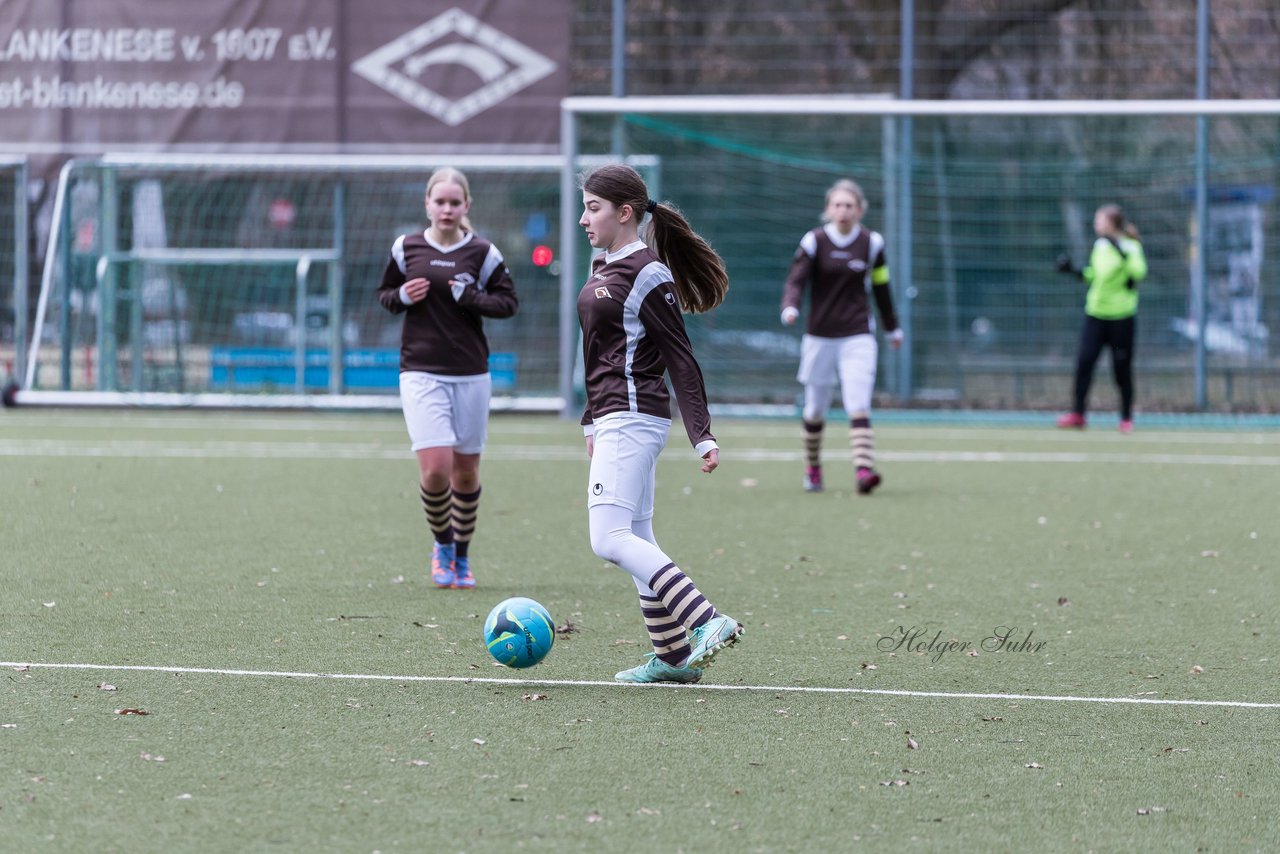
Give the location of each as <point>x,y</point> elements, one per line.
<point>1064,264</point>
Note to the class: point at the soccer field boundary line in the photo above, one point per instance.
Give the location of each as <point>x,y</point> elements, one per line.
<point>598,683</point>
<point>335,451</point>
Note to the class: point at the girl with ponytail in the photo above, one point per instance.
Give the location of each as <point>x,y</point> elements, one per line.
<point>632,335</point>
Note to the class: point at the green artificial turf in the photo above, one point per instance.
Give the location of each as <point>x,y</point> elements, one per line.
<point>1134,568</point>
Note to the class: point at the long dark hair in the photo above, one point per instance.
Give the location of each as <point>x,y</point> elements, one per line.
<point>701,280</point>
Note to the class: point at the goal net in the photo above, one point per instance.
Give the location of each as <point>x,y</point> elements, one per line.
<point>976,200</point>
<point>249,281</point>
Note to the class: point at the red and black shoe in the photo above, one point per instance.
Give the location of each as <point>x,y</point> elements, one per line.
<point>868,480</point>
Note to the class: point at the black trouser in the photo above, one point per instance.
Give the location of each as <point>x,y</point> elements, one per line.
<point>1119,335</point>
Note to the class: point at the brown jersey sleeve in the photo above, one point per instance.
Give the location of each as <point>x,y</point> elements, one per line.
<point>798,277</point>
<point>389,288</point>
<point>664,325</point>
<point>880,288</point>
<point>496,295</point>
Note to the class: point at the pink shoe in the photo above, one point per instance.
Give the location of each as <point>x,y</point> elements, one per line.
<point>868,480</point>
<point>1126,426</point>
<point>1071,421</point>
<point>813,479</point>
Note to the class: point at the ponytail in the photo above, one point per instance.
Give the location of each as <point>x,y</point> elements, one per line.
<point>698,272</point>
<point>701,280</point>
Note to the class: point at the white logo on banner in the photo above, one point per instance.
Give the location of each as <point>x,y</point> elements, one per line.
<point>504,65</point>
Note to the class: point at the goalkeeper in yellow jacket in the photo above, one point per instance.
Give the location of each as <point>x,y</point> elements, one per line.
<point>1116,266</point>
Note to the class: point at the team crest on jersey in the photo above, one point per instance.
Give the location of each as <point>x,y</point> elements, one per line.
<point>464,279</point>
<point>671,299</point>
<point>857,265</point>
<point>602,293</point>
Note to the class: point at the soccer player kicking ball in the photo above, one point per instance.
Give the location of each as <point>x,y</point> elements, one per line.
<point>837,262</point>
<point>444,281</point>
<point>632,334</point>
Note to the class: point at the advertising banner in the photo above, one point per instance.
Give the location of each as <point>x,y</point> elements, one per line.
<point>379,76</point>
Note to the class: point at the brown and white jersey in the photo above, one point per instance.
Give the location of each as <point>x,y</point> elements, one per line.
<point>632,334</point>
<point>838,268</point>
<point>443,332</point>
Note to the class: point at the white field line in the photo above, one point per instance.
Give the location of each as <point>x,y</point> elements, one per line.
<point>595,683</point>
<point>393,424</point>
<point>134,448</point>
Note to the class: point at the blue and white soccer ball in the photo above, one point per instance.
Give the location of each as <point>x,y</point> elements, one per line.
<point>519,632</point>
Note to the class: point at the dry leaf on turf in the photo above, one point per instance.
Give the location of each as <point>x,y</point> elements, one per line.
<point>103,686</point>
<point>593,817</point>
<point>132,712</point>
<point>1033,765</point>
<point>1064,602</point>
<point>567,629</point>
<point>533,697</point>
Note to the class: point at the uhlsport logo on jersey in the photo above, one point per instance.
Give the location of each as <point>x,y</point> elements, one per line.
<point>503,65</point>
<point>857,265</point>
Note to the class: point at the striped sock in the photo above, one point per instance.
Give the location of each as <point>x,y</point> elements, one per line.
<point>436,505</point>
<point>813,443</point>
<point>670,643</point>
<point>682,599</point>
<point>465,507</point>
<point>863,440</point>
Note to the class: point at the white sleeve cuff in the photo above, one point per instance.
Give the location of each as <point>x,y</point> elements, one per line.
<point>589,429</point>
<point>404,297</point>
<point>704,448</point>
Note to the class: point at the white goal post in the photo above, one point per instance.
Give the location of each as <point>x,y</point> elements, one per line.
<point>119,350</point>
<point>717,135</point>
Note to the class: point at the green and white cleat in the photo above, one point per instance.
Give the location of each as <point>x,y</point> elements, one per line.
<point>656,670</point>
<point>720,632</point>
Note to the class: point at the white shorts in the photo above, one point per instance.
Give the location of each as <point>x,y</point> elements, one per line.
<point>853,359</point>
<point>625,459</point>
<point>446,412</point>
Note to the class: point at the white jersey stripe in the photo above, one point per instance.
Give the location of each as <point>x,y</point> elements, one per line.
<point>397,252</point>
<point>492,261</point>
<point>653,275</point>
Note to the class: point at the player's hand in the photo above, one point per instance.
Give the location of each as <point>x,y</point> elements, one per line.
<point>895,338</point>
<point>789,315</point>
<point>416,289</point>
<point>710,460</point>
<point>1063,263</point>
<point>591,446</point>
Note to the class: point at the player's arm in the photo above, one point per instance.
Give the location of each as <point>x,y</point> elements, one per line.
<point>389,288</point>
<point>881,291</point>
<point>496,294</point>
<point>799,276</point>
<point>396,292</point>
<point>1136,264</point>
<point>664,325</point>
